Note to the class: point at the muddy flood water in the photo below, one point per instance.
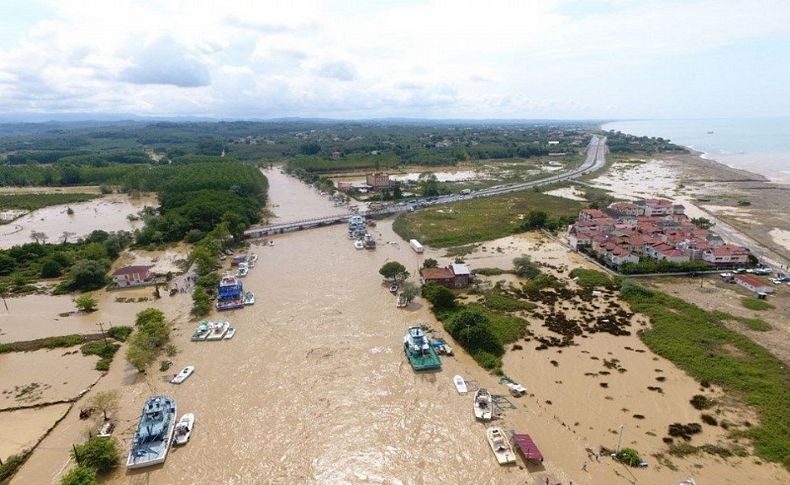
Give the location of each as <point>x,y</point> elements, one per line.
<point>111,210</point>
<point>314,387</point>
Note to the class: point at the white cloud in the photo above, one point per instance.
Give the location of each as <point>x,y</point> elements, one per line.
<point>437,58</point>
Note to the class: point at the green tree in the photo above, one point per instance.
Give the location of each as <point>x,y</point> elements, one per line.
<point>524,267</point>
<point>80,475</point>
<point>140,356</point>
<point>409,290</point>
<point>7,264</point>
<point>86,275</point>
<point>430,263</point>
<point>440,297</point>
<point>201,303</point>
<point>106,402</point>
<point>100,454</point>
<point>397,193</point>
<point>429,184</point>
<point>393,270</point>
<point>535,220</point>
<point>86,303</point>
<point>49,268</point>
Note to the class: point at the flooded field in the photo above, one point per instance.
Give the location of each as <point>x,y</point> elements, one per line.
<point>108,213</point>
<point>314,387</point>
<point>22,428</point>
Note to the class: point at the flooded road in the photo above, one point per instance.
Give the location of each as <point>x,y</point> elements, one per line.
<point>108,213</point>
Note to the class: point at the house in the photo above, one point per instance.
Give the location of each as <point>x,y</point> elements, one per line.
<point>753,283</point>
<point>726,254</point>
<point>378,181</point>
<point>453,276</point>
<point>132,276</point>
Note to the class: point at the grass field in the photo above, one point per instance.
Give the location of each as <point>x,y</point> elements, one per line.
<point>37,201</point>
<point>757,305</point>
<point>698,342</point>
<point>479,219</point>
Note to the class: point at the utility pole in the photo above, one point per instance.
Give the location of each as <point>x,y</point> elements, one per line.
<point>101,326</point>
<point>619,439</point>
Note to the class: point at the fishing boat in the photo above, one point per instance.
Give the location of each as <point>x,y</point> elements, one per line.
<point>184,429</point>
<point>249,298</point>
<point>419,351</point>
<point>201,332</point>
<point>183,375</point>
<point>217,330</point>
<point>500,446</point>
<point>460,385</point>
<point>359,244</point>
<point>230,333</point>
<point>154,433</point>
<point>483,405</point>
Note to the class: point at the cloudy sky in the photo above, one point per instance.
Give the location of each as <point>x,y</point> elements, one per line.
<point>369,59</point>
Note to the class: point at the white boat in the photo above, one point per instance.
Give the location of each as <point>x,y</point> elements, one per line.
<point>483,405</point>
<point>183,375</point>
<point>394,289</point>
<point>106,429</point>
<point>460,385</point>
<point>243,270</point>
<point>516,390</point>
<point>402,303</point>
<point>500,446</point>
<point>359,244</point>
<point>230,333</point>
<point>254,258</point>
<point>217,330</point>
<point>184,429</point>
<point>249,298</point>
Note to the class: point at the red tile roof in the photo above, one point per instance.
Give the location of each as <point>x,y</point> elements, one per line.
<point>751,280</point>
<point>132,270</point>
<point>436,274</point>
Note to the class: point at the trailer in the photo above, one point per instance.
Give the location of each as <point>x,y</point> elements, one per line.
<point>416,246</point>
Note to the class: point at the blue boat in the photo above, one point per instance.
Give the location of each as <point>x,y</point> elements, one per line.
<point>154,433</point>
<point>230,293</point>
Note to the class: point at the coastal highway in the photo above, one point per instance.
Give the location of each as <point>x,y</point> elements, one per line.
<point>595,160</point>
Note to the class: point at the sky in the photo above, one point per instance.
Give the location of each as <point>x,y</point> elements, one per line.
<point>528,59</point>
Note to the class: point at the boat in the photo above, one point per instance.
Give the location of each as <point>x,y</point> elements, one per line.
<point>184,429</point>
<point>419,351</point>
<point>500,446</point>
<point>201,332</point>
<point>106,429</point>
<point>230,293</point>
<point>271,243</point>
<point>483,405</point>
<point>154,433</point>
<point>217,330</point>
<point>402,302</point>
<point>359,244</point>
<point>230,333</point>
<point>441,347</point>
<point>183,375</point>
<point>249,298</point>
<point>243,271</point>
<point>460,385</point>
<point>516,390</point>
<point>394,289</point>
<point>254,258</point>
<point>369,241</point>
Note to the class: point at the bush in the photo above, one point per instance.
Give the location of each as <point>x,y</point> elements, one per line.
<point>590,278</point>
<point>756,305</point>
<point>120,333</point>
<point>524,267</point>
<point>488,361</point>
<point>98,347</point>
<point>709,420</point>
<point>85,275</point>
<point>440,297</point>
<point>201,303</point>
<point>86,303</point>
<point>80,475</point>
<point>51,269</point>
<point>100,454</point>
<point>702,402</point>
<point>629,456</point>
<point>10,466</point>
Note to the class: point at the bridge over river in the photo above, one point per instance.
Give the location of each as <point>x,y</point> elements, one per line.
<point>596,159</point>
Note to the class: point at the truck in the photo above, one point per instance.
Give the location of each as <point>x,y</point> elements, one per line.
<point>466,191</point>
<point>416,246</point>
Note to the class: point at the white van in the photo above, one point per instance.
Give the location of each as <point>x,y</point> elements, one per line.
<point>416,246</point>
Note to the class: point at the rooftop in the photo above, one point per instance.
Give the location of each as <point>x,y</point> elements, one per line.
<point>132,270</point>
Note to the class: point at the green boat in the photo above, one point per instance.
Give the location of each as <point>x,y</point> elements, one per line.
<point>419,351</point>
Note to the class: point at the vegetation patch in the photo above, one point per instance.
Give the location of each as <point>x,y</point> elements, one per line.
<point>756,305</point>
<point>756,324</point>
<point>152,332</point>
<point>492,271</point>
<point>32,202</point>
<point>498,300</point>
<point>590,278</point>
<point>698,342</point>
<point>481,219</point>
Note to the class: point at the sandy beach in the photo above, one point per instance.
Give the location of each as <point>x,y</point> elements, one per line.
<point>314,387</point>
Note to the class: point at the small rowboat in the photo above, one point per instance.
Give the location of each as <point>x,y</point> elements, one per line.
<point>460,385</point>
<point>183,375</point>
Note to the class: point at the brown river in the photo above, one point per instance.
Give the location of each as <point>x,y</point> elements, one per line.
<point>314,387</point>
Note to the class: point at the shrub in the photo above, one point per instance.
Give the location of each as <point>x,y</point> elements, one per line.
<point>86,303</point>
<point>51,269</point>
<point>756,305</point>
<point>488,361</point>
<point>80,475</point>
<point>105,350</point>
<point>201,303</point>
<point>10,466</point>
<point>683,449</point>
<point>100,454</point>
<point>590,278</point>
<point>440,297</point>
<point>709,420</point>
<point>629,456</point>
<point>702,402</point>
<point>120,333</point>
<point>524,267</point>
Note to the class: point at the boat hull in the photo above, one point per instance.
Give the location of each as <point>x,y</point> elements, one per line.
<point>156,451</point>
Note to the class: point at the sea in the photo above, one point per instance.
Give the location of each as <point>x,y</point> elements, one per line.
<point>759,145</point>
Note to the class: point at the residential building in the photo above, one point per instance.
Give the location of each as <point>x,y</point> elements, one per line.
<point>378,181</point>
<point>753,283</point>
<point>453,276</point>
<point>133,276</point>
<point>726,254</point>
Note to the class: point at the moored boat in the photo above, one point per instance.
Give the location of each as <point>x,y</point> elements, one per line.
<point>393,289</point>
<point>483,405</point>
<point>460,385</point>
<point>369,241</point>
<point>402,302</point>
<point>183,375</point>
<point>359,244</point>
<point>516,390</point>
<point>154,433</point>
<point>217,330</point>
<point>230,333</point>
<point>184,429</point>
<point>201,332</point>
<point>249,298</point>
<point>500,446</point>
<point>420,353</point>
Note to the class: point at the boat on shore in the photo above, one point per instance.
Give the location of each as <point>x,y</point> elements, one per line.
<point>483,405</point>
<point>154,433</point>
<point>460,385</point>
<point>249,298</point>
<point>419,351</point>
<point>217,330</point>
<point>183,375</point>
<point>402,302</point>
<point>184,429</point>
<point>393,289</point>
<point>500,446</point>
<point>230,333</point>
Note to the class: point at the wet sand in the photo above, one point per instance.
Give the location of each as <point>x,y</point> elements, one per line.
<point>314,387</point>
<point>110,210</point>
